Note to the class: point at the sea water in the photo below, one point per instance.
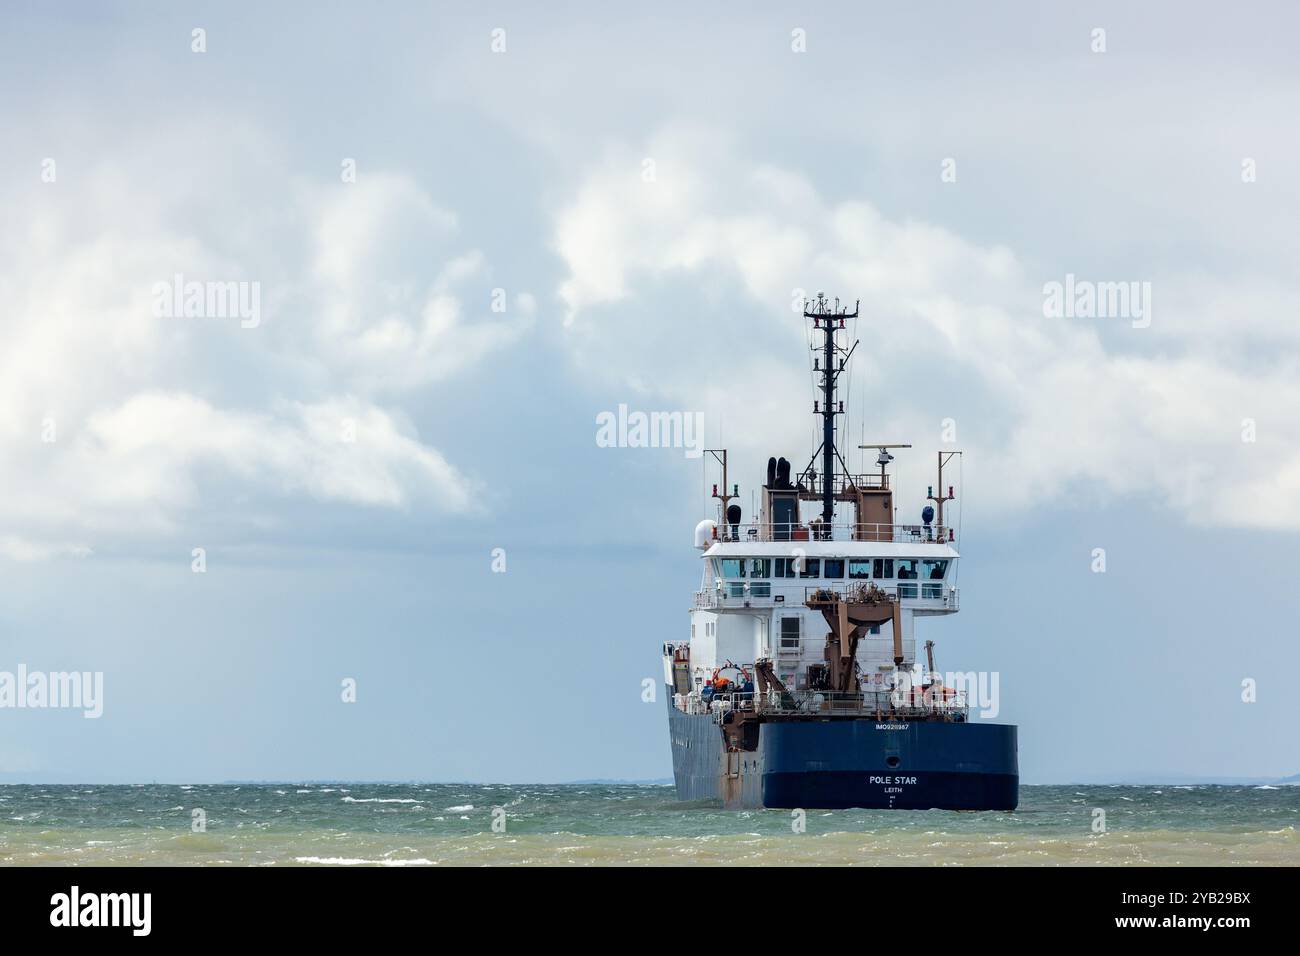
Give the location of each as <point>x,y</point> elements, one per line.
<point>357,824</point>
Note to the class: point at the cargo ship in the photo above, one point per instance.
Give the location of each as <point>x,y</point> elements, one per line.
<point>799,686</point>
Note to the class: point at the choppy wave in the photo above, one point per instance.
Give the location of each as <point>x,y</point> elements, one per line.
<point>345,861</point>
<point>376,800</point>
<point>402,825</point>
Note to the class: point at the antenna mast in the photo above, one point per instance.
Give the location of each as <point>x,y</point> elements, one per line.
<point>829,320</point>
<point>728,491</point>
<point>940,499</point>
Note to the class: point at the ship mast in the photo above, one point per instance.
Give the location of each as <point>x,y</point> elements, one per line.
<point>941,498</point>
<point>728,492</point>
<point>829,320</point>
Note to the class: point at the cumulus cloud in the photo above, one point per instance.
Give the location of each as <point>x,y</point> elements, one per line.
<point>144,452</point>
<point>117,424</point>
<point>390,317</point>
<point>1045,407</point>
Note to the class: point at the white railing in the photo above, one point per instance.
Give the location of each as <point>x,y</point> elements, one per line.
<point>922,595</point>
<point>838,531</point>
<point>885,704</point>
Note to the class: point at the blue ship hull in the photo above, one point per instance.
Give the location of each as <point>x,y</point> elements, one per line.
<point>837,763</point>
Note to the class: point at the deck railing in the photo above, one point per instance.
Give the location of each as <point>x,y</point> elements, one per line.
<point>927,595</point>
<point>885,705</point>
<point>765,531</point>
<point>841,484</point>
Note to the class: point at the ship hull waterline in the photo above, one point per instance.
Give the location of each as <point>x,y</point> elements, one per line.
<point>841,763</point>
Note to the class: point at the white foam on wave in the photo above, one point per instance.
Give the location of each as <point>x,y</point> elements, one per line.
<point>378,800</point>
<point>468,806</point>
<point>356,861</point>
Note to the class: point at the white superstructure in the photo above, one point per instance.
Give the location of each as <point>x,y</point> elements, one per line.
<point>811,592</point>
<point>751,600</point>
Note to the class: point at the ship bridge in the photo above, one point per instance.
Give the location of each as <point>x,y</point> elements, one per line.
<point>756,575</point>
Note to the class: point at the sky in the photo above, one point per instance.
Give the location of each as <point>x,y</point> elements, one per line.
<point>472,230</point>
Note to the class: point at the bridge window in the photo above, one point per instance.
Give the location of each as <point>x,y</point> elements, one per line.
<point>759,567</point>
<point>833,568</point>
<point>811,568</point>
<point>934,570</point>
<point>785,567</point>
<point>733,568</point>
<point>882,568</point>
<point>860,568</point>
<point>907,569</point>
